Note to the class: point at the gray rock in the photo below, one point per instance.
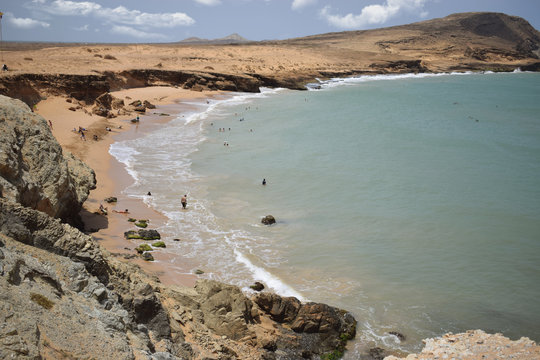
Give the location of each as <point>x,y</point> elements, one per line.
<point>37,229</point>
<point>149,311</point>
<point>163,356</point>
<point>33,169</point>
<point>100,294</point>
<point>225,309</point>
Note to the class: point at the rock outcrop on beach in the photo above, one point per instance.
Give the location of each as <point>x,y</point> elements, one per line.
<point>473,345</point>
<point>459,42</point>
<point>56,281</point>
<point>34,171</point>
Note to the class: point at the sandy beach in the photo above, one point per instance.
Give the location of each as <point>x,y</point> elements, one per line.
<point>112,176</point>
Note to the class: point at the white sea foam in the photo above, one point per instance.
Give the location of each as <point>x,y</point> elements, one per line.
<point>125,155</point>
<point>266,277</point>
<point>325,84</point>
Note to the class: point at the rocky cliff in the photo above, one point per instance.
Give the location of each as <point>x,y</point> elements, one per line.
<point>34,171</point>
<point>56,282</point>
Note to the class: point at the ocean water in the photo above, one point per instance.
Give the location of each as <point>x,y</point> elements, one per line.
<point>412,201</point>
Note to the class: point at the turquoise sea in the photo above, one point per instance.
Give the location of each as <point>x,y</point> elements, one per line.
<point>413,201</point>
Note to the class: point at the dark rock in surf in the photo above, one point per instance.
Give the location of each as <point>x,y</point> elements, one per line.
<point>147,256</point>
<point>399,335</point>
<point>268,220</point>
<point>376,353</point>
<point>257,286</point>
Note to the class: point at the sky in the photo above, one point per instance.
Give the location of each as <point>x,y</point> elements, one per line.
<point>150,21</point>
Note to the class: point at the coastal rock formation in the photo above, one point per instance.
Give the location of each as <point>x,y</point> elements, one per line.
<point>56,281</point>
<point>33,170</point>
<point>246,329</point>
<point>105,103</point>
<point>475,344</point>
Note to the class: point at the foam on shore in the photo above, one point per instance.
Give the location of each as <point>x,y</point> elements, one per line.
<point>324,84</point>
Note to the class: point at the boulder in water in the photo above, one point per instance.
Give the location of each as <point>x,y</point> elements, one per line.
<point>147,256</point>
<point>257,286</point>
<point>268,220</point>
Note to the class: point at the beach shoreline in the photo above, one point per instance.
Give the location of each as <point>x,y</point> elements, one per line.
<point>112,176</point>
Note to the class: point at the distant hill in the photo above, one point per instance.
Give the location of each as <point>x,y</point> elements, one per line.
<point>231,39</point>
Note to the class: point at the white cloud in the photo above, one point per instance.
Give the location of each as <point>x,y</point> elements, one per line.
<point>66,7</point>
<point>118,15</point>
<point>209,2</point>
<point>298,4</point>
<point>25,23</point>
<point>373,14</point>
<point>126,30</point>
<point>135,17</point>
<point>82,28</point>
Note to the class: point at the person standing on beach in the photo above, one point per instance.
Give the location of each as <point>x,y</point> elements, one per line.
<point>184,201</point>
<point>264,182</point>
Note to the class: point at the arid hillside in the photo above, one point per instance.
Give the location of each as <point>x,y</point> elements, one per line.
<point>459,42</point>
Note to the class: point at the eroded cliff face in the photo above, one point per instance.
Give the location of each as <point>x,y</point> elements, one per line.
<point>34,171</point>
<point>56,282</point>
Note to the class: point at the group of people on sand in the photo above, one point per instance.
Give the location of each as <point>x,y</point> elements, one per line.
<point>104,211</point>
<point>81,132</point>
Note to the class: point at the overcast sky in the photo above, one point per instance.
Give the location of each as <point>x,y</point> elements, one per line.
<point>174,20</point>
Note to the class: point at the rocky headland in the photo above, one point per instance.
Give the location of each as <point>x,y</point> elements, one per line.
<point>63,296</point>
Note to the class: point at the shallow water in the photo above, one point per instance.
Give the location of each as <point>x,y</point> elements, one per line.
<point>412,201</point>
